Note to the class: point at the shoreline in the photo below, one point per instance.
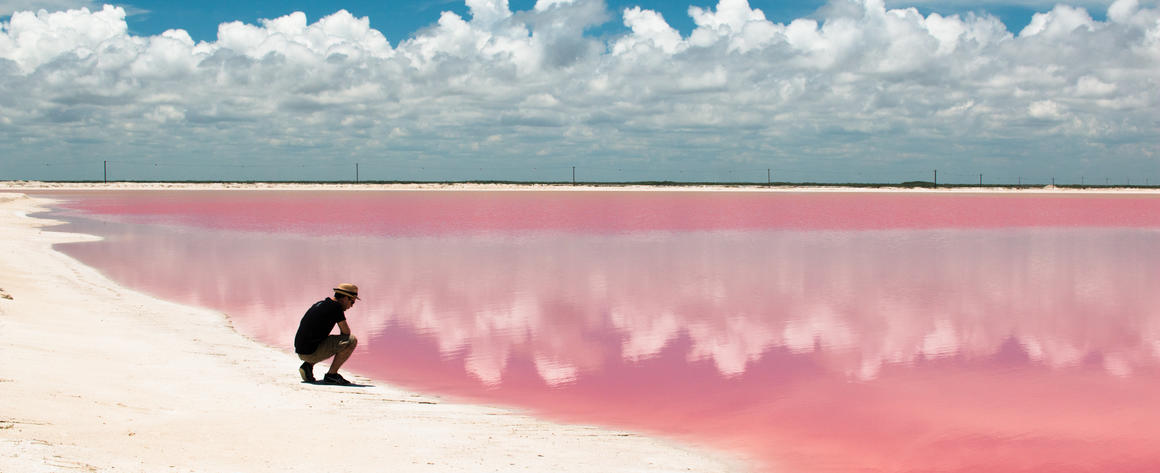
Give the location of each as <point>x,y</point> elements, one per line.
<point>100,377</point>
<point>18,186</point>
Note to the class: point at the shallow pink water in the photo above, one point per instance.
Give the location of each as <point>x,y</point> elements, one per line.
<point>411,213</point>
<point>811,332</point>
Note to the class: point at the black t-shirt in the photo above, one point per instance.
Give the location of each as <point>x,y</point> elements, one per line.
<point>319,320</point>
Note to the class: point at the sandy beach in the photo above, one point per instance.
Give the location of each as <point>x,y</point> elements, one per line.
<point>98,377</point>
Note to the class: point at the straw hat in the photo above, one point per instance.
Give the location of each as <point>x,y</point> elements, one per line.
<point>347,289</point>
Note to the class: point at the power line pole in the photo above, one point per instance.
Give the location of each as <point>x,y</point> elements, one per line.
<point>106,168</point>
<point>573,175</point>
<point>356,173</point>
<point>936,177</point>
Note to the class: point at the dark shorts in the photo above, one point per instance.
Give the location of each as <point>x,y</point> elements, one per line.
<point>329,347</point>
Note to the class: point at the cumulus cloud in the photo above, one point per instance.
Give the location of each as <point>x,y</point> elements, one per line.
<point>8,7</point>
<point>862,87</point>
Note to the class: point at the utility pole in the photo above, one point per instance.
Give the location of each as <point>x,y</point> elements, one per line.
<point>356,173</point>
<point>980,179</point>
<point>106,171</point>
<point>768,177</point>
<point>936,177</point>
<point>573,175</point>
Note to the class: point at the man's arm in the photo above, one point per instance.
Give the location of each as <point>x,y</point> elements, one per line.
<point>343,328</point>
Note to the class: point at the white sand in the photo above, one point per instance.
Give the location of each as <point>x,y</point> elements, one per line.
<point>97,377</point>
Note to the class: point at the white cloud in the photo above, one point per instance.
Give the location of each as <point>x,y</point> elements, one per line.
<point>8,7</point>
<point>542,5</point>
<point>291,37</point>
<point>974,4</point>
<point>1059,22</point>
<point>1046,109</point>
<point>650,31</point>
<point>745,28</point>
<point>488,12</point>
<point>1090,86</point>
<point>165,113</point>
<point>816,94</point>
<point>33,39</point>
<point>1123,10</point>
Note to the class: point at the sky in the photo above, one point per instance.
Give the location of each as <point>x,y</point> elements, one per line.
<point>1023,91</point>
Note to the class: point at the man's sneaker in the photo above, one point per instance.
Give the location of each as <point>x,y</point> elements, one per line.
<point>307,372</point>
<point>335,378</point>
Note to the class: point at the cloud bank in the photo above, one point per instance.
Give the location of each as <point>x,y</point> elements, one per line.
<point>863,92</point>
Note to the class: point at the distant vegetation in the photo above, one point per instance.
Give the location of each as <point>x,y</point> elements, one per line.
<point>865,185</point>
<point>918,184</point>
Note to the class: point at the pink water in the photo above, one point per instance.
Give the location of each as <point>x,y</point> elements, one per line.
<point>809,332</point>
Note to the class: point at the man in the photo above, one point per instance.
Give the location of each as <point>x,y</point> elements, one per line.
<point>314,343</point>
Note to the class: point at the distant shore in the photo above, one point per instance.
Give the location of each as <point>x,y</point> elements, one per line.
<point>517,186</point>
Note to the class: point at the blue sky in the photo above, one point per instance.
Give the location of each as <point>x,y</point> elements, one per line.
<point>700,90</point>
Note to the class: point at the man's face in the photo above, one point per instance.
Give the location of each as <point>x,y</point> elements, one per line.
<point>346,302</point>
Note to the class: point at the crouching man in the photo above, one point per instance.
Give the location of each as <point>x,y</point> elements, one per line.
<point>314,343</point>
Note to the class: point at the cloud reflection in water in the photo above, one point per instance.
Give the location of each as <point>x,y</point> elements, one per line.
<point>865,298</point>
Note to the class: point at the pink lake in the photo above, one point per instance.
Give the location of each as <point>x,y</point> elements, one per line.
<point>809,332</point>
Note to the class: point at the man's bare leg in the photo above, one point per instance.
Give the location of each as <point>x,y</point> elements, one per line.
<point>340,358</point>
